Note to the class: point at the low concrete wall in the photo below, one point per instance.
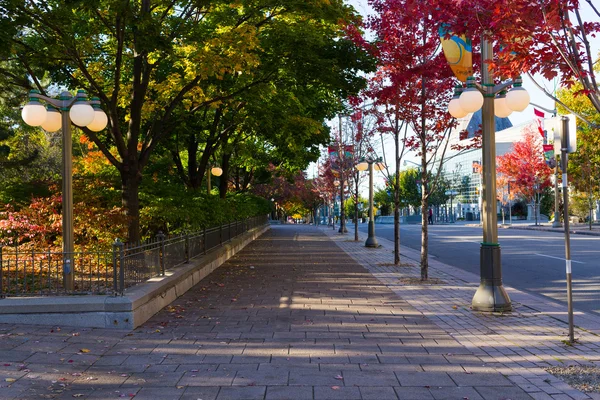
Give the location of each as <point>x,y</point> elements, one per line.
<point>129,311</point>
<point>389,219</point>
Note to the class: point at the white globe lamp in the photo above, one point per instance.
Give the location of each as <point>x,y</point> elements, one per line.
<point>517,98</point>
<point>34,113</point>
<point>471,98</point>
<point>53,120</point>
<point>454,107</point>
<point>216,171</point>
<point>500,108</point>
<point>362,166</point>
<point>81,113</point>
<point>100,119</point>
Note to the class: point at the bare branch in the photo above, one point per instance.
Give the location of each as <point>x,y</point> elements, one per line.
<point>543,89</point>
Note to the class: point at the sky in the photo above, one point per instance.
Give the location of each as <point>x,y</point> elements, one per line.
<point>517,118</point>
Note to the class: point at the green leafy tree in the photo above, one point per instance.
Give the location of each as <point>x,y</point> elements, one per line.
<point>384,201</point>
<point>584,164</point>
<point>147,59</point>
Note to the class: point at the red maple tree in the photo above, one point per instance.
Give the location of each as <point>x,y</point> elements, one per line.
<point>524,166</point>
<point>411,90</point>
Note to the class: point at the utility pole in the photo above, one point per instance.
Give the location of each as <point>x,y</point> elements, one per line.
<point>564,157</point>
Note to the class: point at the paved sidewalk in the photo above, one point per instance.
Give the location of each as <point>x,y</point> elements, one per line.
<point>519,345</point>
<point>290,317</point>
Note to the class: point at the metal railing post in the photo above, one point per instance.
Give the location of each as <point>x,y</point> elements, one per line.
<point>187,247</point>
<point>221,233</point>
<point>161,238</point>
<point>204,238</point>
<point>115,249</point>
<point>1,276</point>
<point>121,247</point>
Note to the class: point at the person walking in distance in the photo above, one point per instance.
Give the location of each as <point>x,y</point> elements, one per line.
<point>430,219</point>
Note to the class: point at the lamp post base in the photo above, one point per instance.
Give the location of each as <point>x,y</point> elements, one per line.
<point>491,295</point>
<point>556,223</point>
<point>371,240</point>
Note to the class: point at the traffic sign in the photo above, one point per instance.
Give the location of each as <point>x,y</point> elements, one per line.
<point>553,127</point>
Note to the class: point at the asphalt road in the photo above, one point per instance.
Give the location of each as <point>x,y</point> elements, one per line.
<point>532,261</point>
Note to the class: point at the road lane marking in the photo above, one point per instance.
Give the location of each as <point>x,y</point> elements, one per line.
<point>558,258</point>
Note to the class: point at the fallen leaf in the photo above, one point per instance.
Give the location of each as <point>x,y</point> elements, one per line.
<point>10,379</point>
<point>78,395</point>
<point>85,350</point>
<point>454,307</point>
<point>339,377</point>
<point>335,387</point>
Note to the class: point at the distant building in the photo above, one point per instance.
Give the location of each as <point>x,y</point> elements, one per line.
<point>462,168</point>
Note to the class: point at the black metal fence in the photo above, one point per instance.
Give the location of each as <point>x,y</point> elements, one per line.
<point>110,272</point>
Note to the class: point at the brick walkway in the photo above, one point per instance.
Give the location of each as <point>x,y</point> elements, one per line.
<point>519,344</point>
<point>290,317</point>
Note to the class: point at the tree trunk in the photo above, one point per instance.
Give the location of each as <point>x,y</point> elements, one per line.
<point>356,207</point>
<point>424,228</point>
<point>194,178</point>
<point>424,187</point>
<point>224,178</point>
<point>397,201</point>
<point>130,184</point>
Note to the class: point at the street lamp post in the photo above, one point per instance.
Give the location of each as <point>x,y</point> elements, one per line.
<point>491,295</point>
<point>362,166</point>
<point>536,188</point>
<point>216,171</point>
<point>336,183</point>
<point>451,193</point>
<point>59,114</point>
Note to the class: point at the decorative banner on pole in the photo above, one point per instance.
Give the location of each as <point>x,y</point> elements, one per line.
<point>458,52</point>
<point>539,120</point>
<point>549,155</point>
<point>335,159</point>
<point>333,152</point>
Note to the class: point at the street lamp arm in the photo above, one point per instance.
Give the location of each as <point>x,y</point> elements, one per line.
<point>556,100</point>
<point>549,111</point>
<point>502,86</point>
<point>58,103</point>
<point>496,89</point>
